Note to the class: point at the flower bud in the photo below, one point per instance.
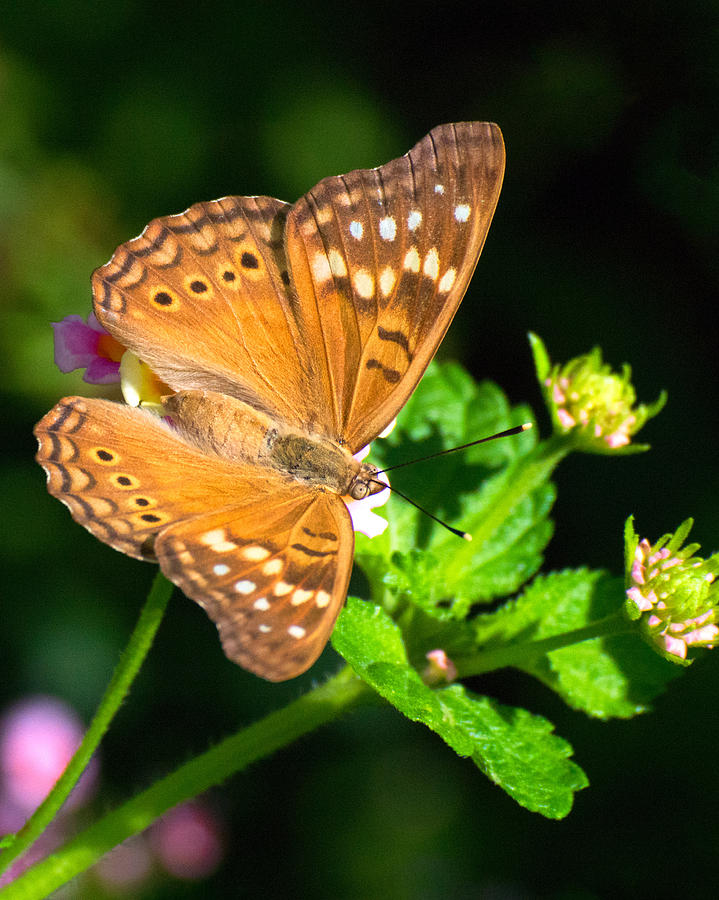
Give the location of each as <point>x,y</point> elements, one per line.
<point>672,592</point>
<point>585,397</point>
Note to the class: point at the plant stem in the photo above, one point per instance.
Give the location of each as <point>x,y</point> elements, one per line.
<point>123,676</point>
<point>520,654</point>
<point>276,730</point>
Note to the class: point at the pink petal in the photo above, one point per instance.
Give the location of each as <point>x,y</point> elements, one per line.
<point>75,343</point>
<point>675,646</point>
<point>101,371</point>
<point>639,599</point>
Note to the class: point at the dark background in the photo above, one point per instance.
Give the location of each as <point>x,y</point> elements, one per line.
<point>112,113</point>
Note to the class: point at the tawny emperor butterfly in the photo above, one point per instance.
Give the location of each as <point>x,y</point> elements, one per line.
<point>292,335</point>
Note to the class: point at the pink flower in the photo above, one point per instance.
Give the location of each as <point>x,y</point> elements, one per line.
<point>188,841</point>
<point>80,345</point>
<point>440,668</point>
<point>590,401</point>
<point>38,737</point>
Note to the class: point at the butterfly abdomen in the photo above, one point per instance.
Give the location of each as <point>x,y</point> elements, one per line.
<point>221,424</point>
<point>236,431</point>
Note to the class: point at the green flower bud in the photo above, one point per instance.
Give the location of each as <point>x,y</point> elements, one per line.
<point>597,405</point>
<point>672,592</point>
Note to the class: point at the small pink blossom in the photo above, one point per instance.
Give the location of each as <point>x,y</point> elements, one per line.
<point>440,668</point>
<point>38,737</point>
<point>188,841</point>
<point>86,345</point>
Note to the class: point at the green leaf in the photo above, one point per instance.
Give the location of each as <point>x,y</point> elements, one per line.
<point>514,748</point>
<point>518,751</point>
<point>472,490</point>
<point>542,363</point>
<point>372,644</point>
<point>614,676</point>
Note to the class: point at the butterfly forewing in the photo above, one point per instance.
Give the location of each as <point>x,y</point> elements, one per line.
<point>203,299</point>
<point>382,258</point>
<point>272,576</point>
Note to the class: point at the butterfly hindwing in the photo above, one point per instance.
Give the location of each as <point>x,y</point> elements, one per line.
<point>272,576</point>
<point>382,258</point>
<point>227,533</point>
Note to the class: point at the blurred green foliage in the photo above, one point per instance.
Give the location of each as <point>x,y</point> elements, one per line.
<point>112,113</point>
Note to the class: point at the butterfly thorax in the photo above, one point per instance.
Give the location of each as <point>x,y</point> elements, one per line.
<point>237,431</point>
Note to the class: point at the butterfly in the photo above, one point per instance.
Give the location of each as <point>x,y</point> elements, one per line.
<point>290,336</point>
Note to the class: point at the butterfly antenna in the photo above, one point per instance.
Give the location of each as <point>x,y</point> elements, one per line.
<point>516,430</point>
<point>462,534</point>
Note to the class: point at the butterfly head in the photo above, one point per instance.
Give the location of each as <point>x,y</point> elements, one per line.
<point>365,483</point>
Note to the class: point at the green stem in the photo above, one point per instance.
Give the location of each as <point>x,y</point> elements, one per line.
<point>520,654</point>
<point>123,676</point>
<point>276,730</point>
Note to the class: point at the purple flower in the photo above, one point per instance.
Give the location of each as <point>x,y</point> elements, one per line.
<point>86,345</point>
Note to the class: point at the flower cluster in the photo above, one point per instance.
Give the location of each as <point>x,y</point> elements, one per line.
<point>673,592</point>
<point>585,397</point>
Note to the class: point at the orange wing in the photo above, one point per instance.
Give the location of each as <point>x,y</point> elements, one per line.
<point>380,260</point>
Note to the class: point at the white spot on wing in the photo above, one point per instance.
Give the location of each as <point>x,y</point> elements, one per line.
<point>255,553</point>
<point>337,263</point>
<point>356,229</point>
<point>411,260</point>
<point>447,280</point>
<point>301,596</point>
<point>322,599</point>
<point>282,588</point>
<point>387,228</point>
<point>272,567</point>
<point>431,264</point>
<point>439,188</point>
<point>262,604</point>
<point>215,540</point>
<point>265,629</point>
<point>462,211</point>
<point>296,631</point>
<point>414,219</point>
<point>363,283</point>
<point>245,586</point>
<point>220,569</point>
<point>387,279</point>
<point>320,267</point>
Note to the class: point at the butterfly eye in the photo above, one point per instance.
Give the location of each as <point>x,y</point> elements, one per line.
<point>358,489</point>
